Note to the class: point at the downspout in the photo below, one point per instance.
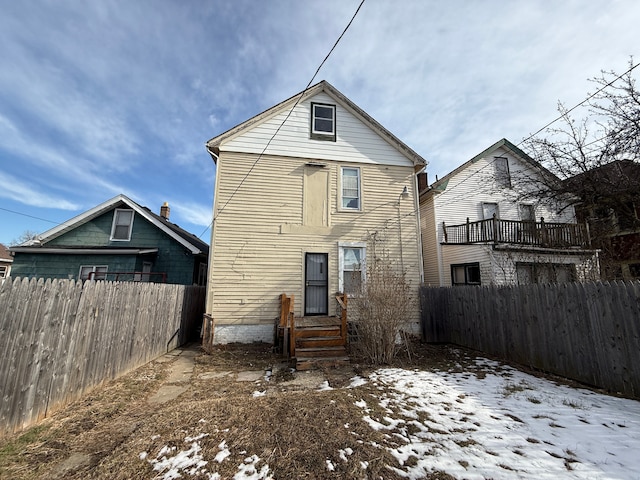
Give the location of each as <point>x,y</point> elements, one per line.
<point>416,200</point>
<point>209,293</point>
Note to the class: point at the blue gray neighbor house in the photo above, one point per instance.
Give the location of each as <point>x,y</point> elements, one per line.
<point>116,240</point>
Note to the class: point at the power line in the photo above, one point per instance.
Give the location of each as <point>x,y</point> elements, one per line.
<point>579,104</point>
<point>286,118</point>
<point>27,215</point>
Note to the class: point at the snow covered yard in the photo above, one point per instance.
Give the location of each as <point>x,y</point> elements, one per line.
<point>488,422</point>
<point>439,414</point>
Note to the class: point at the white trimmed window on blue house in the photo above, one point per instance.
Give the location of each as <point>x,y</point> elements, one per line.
<point>122,225</point>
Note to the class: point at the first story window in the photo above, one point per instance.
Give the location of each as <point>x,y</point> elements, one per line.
<point>122,223</point>
<point>351,262</point>
<point>3,271</point>
<point>465,274</point>
<point>323,121</point>
<point>528,273</point>
<point>350,188</point>
<point>93,272</point>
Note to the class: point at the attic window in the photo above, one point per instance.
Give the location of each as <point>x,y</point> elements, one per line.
<point>502,175</point>
<point>122,225</point>
<point>323,122</point>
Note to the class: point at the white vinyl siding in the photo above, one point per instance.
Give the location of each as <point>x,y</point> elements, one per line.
<point>355,142</point>
<point>473,193</point>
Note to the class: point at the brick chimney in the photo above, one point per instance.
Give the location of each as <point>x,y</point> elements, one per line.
<point>164,211</point>
<point>422,181</point>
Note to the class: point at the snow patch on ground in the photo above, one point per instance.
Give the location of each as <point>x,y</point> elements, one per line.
<point>502,425</point>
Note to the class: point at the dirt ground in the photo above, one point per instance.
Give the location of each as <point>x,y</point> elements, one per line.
<point>242,397</point>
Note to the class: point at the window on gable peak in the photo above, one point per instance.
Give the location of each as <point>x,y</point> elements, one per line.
<point>323,121</point>
<point>502,175</point>
<point>122,224</point>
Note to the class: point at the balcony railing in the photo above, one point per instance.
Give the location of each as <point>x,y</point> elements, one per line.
<point>540,234</point>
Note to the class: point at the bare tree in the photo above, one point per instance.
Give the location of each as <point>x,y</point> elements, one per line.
<point>597,160</point>
<point>24,237</point>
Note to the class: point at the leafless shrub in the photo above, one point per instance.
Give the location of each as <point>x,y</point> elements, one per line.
<point>380,312</point>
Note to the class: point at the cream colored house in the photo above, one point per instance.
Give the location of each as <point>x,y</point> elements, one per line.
<point>306,193</point>
<point>481,226</point>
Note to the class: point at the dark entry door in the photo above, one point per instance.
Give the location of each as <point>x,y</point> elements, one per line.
<point>316,291</point>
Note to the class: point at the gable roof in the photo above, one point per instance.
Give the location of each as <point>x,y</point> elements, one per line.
<point>188,240</point>
<point>441,184</point>
<point>5,255</point>
<point>213,145</point>
<point>619,177</point>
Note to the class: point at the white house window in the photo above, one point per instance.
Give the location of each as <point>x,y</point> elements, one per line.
<point>323,121</point>
<point>351,264</point>
<point>3,271</point>
<point>489,210</point>
<point>122,225</point>
<point>350,191</point>
<point>527,273</point>
<point>93,272</point>
<point>501,168</point>
<point>465,274</point>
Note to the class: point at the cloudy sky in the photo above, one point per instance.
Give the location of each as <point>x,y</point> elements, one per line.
<point>119,96</point>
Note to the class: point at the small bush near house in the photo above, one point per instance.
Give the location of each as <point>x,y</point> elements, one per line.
<point>379,313</point>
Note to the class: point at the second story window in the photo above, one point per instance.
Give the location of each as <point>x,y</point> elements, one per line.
<point>323,121</point>
<point>122,225</point>
<point>502,175</point>
<point>350,188</point>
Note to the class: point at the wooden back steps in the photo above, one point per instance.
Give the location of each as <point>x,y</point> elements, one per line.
<point>315,341</point>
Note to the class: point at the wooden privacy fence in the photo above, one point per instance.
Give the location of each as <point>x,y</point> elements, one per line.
<point>59,338</point>
<point>587,332</point>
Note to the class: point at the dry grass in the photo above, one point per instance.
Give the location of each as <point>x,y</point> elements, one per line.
<point>293,429</point>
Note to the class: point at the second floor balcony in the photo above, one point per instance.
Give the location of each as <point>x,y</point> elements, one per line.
<point>540,234</point>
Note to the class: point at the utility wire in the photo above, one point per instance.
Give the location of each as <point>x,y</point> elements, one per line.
<point>30,216</point>
<point>285,120</point>
<point>579,104</point>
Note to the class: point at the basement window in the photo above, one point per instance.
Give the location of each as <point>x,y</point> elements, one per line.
<point>323,122</point>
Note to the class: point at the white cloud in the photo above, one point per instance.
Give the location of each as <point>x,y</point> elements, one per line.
<point>34,195</point>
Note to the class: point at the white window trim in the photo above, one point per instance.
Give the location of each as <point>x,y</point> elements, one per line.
<point>348,209</point>
<point>93,269</point>
<point>363,267</point>
<point>332,133</point>
<point>113,225</point>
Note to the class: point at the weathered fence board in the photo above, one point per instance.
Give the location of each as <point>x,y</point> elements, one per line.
<point>588,332</point>
<point>60,338</point>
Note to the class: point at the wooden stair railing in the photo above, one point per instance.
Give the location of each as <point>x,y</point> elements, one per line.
<point>313,341</point>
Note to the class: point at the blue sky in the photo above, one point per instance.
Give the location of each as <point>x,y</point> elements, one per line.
<point>119,96</point>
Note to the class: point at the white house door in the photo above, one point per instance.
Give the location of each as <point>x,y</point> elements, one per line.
<point>316,291</point>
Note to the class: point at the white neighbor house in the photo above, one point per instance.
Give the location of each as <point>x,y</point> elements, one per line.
<point>306,193</point>
<point>526,241</point>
